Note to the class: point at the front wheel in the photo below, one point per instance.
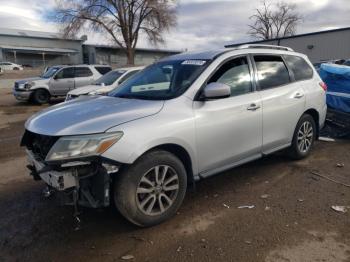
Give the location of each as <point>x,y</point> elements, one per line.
<point>41,96</point>
<point>304,137</point>
<point>152,189</point>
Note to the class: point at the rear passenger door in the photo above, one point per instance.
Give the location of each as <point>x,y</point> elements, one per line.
<point>82,76</point>
<point>283,100</point>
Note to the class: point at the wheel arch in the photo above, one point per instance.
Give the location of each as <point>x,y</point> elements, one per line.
<point>181,153</point>
<point>315,115</point>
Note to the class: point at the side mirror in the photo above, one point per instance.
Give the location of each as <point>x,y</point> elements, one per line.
<point>217,90</point>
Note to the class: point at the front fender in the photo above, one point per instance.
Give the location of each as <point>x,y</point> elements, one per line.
<point>46,87</point>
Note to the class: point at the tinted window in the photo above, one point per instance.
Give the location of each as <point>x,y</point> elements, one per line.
<point>347,63</point>
<point>236,74</point>
<point>272,71</point>
<point>299,67</point>
<point>65,73</point>
<point>50,72</point>
<point>128,75</point>
<point>82,72</point>
<point>103,69</point>
<point>109,78</point>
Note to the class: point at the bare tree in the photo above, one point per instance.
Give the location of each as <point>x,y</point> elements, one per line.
<point>273,21</point>
<point>122,20</point>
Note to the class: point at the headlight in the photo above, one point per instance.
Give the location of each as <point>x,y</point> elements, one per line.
<point>82,146</point>
<point>29,85</point>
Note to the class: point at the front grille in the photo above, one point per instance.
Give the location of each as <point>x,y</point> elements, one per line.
<point>40,145</point>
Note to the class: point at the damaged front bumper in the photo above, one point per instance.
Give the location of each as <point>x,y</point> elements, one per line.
<point>84,183</point>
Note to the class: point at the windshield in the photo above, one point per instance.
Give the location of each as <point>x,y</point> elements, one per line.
<point>161,81</point>
<point>109,78</point>
<point>347,63</point>
<point>50,72</point>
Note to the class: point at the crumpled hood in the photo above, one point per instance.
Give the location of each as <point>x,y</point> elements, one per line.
<point>87,89</point>
<point>91,114</point>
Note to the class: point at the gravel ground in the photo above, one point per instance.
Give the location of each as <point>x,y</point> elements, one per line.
<point>292,218</point>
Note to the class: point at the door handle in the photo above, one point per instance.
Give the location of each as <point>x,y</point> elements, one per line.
<point>298,95</point>
<point>253,107</point>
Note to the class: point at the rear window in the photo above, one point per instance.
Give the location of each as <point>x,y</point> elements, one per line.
<point>103,69</point>
<point>82,72</point>
<point>272,71</point>
<point>299,67</point>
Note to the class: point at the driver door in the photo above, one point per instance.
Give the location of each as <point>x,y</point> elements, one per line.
<point>62,82</point>
<point>229,130</point>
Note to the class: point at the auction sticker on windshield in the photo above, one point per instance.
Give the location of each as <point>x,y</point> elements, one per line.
<point>193,62</point>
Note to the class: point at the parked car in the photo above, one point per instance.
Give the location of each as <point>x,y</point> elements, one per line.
<point>10,66</point>
<point>1,71</point>
<point>347,62</point>
<point>105,83</point>
<point>57,81</point>
<point>182,119</point>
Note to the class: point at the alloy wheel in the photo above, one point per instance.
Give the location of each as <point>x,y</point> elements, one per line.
<point>305,136</point>
<point>157,190</point>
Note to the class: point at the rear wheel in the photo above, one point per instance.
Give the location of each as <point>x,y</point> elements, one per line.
<point>152,189</point>
<point>41,96</point>
<point>304,137</point>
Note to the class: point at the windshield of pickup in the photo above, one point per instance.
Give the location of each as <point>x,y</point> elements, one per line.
<point>161,81</point>
<point>50,72</point>
<point>109,78</point>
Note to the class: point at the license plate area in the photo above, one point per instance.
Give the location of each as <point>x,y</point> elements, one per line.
<point>59,180</point>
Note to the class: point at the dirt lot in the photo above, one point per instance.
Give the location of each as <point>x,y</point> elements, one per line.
<point>292,219</point>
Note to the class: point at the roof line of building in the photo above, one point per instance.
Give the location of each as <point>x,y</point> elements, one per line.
<point>138,49</point>
<point>35,34</point>
<point>289,37</point>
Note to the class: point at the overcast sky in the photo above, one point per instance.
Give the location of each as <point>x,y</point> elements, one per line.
<point>202,24</point>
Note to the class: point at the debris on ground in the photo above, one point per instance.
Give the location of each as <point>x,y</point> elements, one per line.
<point>329,179</point>
<point>226,206</point>
<point>127,257</point>
<point>264,196</point>
<point>340,165</point>
<point>300,200</point>
<point>341,209</point>
<point>267,208</point>
<point>179,249</point>
<point>249,207</point>
<point>326,139</point>
<point>248,242</point>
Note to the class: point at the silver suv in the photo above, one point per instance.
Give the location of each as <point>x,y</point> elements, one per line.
<point>182,119</point>
<point>57,81</point>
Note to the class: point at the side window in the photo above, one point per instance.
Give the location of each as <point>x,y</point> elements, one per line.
<point>300,68</point>
<point>103,69</point>
<point>65,73</point>
<point>272,71</point>
<point>128,75</point>
<point>236,74</point>
<point>82,72</point>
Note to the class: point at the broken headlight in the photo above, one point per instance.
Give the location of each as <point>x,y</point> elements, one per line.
<point>71,147</point>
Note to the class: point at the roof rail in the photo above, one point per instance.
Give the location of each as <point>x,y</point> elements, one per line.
<point>276,47</point>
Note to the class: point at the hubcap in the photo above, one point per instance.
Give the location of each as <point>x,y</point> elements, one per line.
<point>305,136</point>
<point>157,190</point>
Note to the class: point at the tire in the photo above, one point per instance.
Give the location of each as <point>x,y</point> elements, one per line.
<point>131,194</point>
<point>303,138</point>
<point>16,68</point>
<point>41,96</point>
